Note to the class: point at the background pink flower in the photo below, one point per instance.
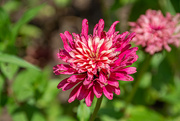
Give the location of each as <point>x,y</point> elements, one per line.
<point>96,61</point>
<point>155,31</point>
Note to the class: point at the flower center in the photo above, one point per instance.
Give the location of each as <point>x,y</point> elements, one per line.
<point>156,27</point>
<point>93,55</point>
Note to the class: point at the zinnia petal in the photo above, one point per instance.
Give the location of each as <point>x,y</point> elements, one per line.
<point>85,28</point>
<point>108,92</point>
<point>89,98</point>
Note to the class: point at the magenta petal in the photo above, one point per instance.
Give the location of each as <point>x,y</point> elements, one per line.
<point>68,86</point>
<point>102,78</point>
<point>108,92</point>
<point>122,77</point>
<point>116,38</point>
<point>112,29</point>
<point>74,78</point>
<point>78,91</point>
<point>70,38</point>
<point>66,46</point>
<point>123,47</point>
<point>84,40</point>
<point>95,30</point>
<point>88,86</point>
<point>82,93</point>
<point>97,90</point>
<point>129,70</point>
<point>100,27</point>
<point>63,69</point>
<point>86,81</point>
<point>63,55</point>
<point>117,91</point>
<point>62,83</point>
<point>73,94</point>
<point>114,83</point>
<point>89,98</point>
<point>130,53</point>
<point>85,28</point>
<point>130,37</point>
<point>56,70</point>
<point>123,35</point>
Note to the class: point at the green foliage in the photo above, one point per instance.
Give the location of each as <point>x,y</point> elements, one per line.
<point>10,30</point>
<point>6,58</point>
<point>5,26</point>
<point>11,6</point>
<point>28,93</point>
<point>167,6</point>
<point>141,113</point>
<point>83,112</point>
<point>49,93</point>
<point>27,16</point>
<point>9,69</point>
<point>61,3</point>
<point>30,31</point>
<point>28,85</point>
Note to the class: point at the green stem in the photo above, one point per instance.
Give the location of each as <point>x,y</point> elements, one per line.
<point>140,73</point>
<point>98,104</point>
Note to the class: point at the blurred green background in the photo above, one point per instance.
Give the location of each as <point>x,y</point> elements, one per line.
<point>29,41</point>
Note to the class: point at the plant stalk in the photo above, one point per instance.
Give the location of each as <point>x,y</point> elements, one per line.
<point>98,104</point>
<point>140,73</point>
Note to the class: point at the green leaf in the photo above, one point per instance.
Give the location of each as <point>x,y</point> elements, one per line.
<point>6,58</point>
<point>11,6</point>
<point>141,113</point>
<point>54,110</point>
<point>145,80</point>
<point>37,116</point>
<point>124,2</point>
<point>118,104</point>
<point>19,116</point>
<point>49,93</point>
<point>41,81</point>
<point>66,118</point>
<point>62,3</point>
<point>108,108</point>
<point>22,86</point>
<point>1,89</point>
<point>107,118</point>
<point>28,15</point>
<point>157,59</point>
<point>4,27</point>
<point>163,75</point>
<point>25,85</point>
<point>83,112</point>
<point>24,112</point>
<point>177,118</point>
<point>47,11</point>
<point>172,96</point>
<point>1,84</point>
<point>33,85</point>
<point>9,69</point>
<point>167,6</point>
<point>31,31</point>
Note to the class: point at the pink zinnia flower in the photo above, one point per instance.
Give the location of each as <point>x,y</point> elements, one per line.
<point>155,32</point>
<point>96,61</point>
